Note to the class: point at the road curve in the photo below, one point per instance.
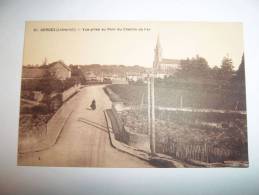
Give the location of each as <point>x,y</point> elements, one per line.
<point>84,140</point>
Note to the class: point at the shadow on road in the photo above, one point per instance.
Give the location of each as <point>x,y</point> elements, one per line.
<point>94,124</point>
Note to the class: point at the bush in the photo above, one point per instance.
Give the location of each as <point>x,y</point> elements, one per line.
<point>45,85</point>
<point>27,95</point>
<point>48,85</point>
<point>25,110</point>
<point>39,109</point>
<point>70,82</point>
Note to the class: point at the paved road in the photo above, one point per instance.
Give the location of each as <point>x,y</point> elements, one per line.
<point>84,140</point>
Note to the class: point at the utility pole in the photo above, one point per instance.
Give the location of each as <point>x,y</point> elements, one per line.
<point>151,112</point>
<point>149,104</point>
<point>153,126</point>
<point>151,98</point>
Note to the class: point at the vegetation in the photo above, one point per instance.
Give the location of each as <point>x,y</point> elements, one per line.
<point>208,137</point>
<point>204,136</point>
<point>48,86</point>
<point>191,96</point>
<point>197,68</point>
<point>195,85</point>
<point>193,68</point>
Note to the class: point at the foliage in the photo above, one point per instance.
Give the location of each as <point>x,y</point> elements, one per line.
<point>227,67</point>
<point>197,69</point>
<point>48,86</point>
<point>240,76</point>
<point>35,110</point>
<point>194,68</point>
<point>193,95</point>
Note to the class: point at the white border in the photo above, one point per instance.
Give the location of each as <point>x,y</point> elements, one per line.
<point>42,180</point>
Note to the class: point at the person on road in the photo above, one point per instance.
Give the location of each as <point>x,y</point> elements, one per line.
<point>93,105</point>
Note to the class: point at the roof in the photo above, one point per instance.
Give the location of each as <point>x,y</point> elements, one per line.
<point>34,73</point>
<point>59,62</point>
<point>170,61</point>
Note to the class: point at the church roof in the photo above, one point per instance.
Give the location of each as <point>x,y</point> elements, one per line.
<point>170,61</point>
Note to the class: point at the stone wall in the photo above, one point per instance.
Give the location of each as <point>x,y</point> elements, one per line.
<point>125,134</point>
<point>137,140</point>
<point>69,92</point>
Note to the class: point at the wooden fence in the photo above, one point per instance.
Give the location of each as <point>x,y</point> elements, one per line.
<point>201,152</point>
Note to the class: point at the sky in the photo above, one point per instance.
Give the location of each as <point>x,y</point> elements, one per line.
<point>130,42</point>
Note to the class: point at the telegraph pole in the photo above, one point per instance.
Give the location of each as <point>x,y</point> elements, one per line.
<point>153,126</point>
<point>151,112</point>
<point>149,104</point>
<point>151,98</point>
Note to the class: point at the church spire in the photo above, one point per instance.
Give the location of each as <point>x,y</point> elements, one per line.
<point>158,54</point>
<point>158,45</point>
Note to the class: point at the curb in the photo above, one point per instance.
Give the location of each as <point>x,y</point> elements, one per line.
<point>121,146</point>
<point>159,160</point>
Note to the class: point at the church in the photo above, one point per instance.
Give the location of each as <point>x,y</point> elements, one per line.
<point>164,66</point>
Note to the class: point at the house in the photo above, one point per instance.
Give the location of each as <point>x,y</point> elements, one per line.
<point>59,70</point>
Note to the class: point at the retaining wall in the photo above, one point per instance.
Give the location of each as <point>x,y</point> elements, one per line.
<point>124,134</point>
<point>69,92</point>
<point>137,140</point>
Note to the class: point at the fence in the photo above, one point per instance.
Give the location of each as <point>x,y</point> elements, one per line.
<point>204,152</point>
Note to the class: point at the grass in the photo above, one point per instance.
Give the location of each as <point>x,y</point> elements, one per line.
<point>171,97</point>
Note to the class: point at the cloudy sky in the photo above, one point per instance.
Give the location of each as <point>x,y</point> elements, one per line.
<point>129,42</point>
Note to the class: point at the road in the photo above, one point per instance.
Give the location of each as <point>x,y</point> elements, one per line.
<point>84,140</point>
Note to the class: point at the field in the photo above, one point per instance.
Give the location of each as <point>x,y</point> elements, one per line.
<point>211,136</point>
<point>191,97</point>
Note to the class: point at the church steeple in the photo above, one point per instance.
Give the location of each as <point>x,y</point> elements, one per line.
<point>158,54</point>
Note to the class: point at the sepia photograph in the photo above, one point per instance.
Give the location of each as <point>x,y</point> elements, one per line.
<point>133,94</point>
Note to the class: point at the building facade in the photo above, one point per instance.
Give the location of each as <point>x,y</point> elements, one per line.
<point>59,70</point>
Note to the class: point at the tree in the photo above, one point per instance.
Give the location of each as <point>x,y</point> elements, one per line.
<point>215,73</point>
<point>241,71</point>
<point>226,68</point>
<point>195,68</point>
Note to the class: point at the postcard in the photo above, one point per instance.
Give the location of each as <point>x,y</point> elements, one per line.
<point>141,94</point>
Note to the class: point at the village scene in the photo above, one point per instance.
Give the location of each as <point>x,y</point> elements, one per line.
<point>176,113</point>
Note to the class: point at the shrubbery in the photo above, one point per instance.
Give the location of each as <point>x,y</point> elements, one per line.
<point>48,85</point>
<point>38,109</point>
<point>42,109</point>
